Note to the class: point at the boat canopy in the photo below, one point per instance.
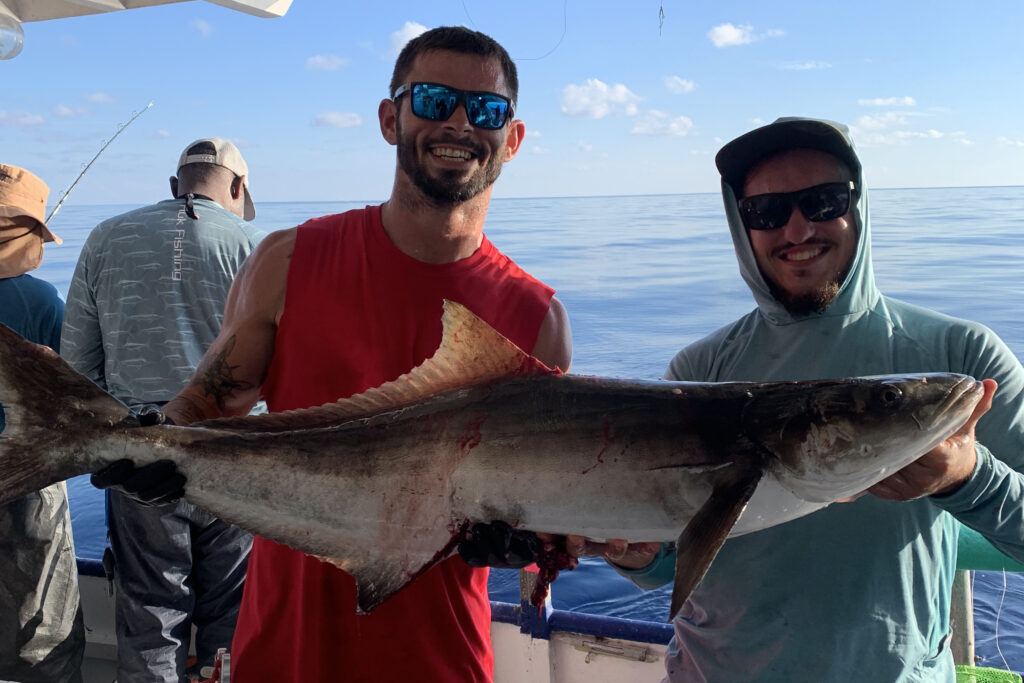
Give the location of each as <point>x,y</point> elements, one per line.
<point>41,10</point>
<point>15,12</point>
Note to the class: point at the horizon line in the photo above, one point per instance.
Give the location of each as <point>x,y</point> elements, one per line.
<point>581,196</point>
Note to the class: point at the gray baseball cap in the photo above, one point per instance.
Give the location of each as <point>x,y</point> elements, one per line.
<point>736,158</point>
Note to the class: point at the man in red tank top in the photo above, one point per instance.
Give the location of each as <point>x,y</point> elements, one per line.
<point>344,303</point>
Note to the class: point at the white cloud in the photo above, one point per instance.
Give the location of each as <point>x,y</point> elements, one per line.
<point>584,146</point>
<point>338,119</point>
<point>729,35</point>
<point>805,66</point>
<point>65,112</point>
<point>99,98</point>
<point>204,27</point>
<point>326,63</point>
<point>726,34</point>
<point>892,128</point>
<point>661,124</point>
<point>961,137</point>
<point>161,134</point>
<point>888,102</point>
<point>20,118</point>
<point>1002,140</point>
<point>399,38</point>
<point>596,99</point>
<point>679,86</point>
<point>895,137</point>
<point>533,134</point>
<point>882,121</point>
<point>537,149</point>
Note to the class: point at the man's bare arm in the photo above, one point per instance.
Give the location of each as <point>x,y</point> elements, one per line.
<point>229,377</point>
<point>554,340</point>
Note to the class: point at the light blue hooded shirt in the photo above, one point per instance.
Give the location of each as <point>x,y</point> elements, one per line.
<point>856,591</point>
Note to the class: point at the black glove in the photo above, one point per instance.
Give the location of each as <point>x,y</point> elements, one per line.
<point>499,545</point>
<point>149,415</point>
<point>153,484</point>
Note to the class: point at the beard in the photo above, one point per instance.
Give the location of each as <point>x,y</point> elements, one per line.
<point>806,303</point>
<point>448,188</point>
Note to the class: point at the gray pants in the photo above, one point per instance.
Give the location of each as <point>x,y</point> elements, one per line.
<point>42,638</point>
<point>175,565</point>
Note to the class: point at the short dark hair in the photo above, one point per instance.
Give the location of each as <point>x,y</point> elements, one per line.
<point>191,176</point>
<point>455,39</point>
<point>194,175</point>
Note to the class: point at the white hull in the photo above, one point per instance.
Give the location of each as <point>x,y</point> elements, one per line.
<point>558,656</point>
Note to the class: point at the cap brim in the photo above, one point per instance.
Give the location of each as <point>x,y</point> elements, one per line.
<point>250,209</point>
<point>736,158</point>
<point>48,235</point>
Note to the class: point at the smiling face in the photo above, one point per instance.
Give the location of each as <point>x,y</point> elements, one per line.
<point>804,262</point>
<point>452,161</point>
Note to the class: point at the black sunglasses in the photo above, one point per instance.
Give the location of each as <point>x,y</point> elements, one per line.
<point>436,102</point>
<point>819,203</point>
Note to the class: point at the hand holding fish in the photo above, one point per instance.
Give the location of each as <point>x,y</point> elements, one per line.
<point>499,545</point>
<point>943,469</point>
<point>154,484</point>
<point>616,551</point>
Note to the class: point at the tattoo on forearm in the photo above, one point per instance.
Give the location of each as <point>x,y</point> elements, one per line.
<point>217,378</point>
<point>190,412</point>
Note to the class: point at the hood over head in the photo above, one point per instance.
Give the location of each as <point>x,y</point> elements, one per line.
<point>734,161</point>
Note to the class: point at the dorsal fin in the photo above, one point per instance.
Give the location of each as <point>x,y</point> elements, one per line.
<point>471,352</point>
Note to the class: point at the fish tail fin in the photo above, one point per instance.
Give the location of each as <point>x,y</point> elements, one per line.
<point>46,413</point>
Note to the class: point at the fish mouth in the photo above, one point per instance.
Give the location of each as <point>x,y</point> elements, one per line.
<point>967,391</point>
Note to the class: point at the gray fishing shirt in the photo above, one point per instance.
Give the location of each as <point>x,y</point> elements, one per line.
<point>147,296</point>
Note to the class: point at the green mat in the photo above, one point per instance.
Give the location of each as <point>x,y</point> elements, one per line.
<point>981,674</point>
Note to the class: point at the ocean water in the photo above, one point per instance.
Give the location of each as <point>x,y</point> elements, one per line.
<point>642,276</point>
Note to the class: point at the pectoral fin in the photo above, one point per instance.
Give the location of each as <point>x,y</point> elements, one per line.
<point>704,535</point>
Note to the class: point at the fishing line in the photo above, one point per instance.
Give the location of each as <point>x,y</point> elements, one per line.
<point>85,168</point>
<point>999,612</point>
<point>565,14</point>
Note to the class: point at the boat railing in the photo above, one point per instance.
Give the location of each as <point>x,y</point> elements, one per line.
<point>974,553</point>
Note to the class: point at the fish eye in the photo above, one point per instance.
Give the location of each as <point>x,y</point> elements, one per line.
<point>890,395</point>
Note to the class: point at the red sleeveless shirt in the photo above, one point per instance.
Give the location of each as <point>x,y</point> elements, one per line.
<point>359,312</point>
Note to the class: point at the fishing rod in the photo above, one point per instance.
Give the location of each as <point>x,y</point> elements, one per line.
<point>124,125</point>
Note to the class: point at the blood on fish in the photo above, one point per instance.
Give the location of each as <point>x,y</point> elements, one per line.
<point>550,560</point>
<point>609,439</point>
<point>472,436</point>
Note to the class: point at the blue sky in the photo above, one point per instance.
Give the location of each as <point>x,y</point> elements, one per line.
<point>613,103</point>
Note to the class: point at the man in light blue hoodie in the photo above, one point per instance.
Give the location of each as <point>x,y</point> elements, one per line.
<point>858,590</point>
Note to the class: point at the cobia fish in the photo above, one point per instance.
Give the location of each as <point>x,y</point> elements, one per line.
<point>385,484</point>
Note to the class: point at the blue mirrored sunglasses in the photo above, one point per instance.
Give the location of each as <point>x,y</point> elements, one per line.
<point>436,102</point>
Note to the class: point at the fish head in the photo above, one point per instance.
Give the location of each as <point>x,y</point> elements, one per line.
<point>830,439</point>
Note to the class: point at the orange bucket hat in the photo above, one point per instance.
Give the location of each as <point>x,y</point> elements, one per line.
<point>22,193</point>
